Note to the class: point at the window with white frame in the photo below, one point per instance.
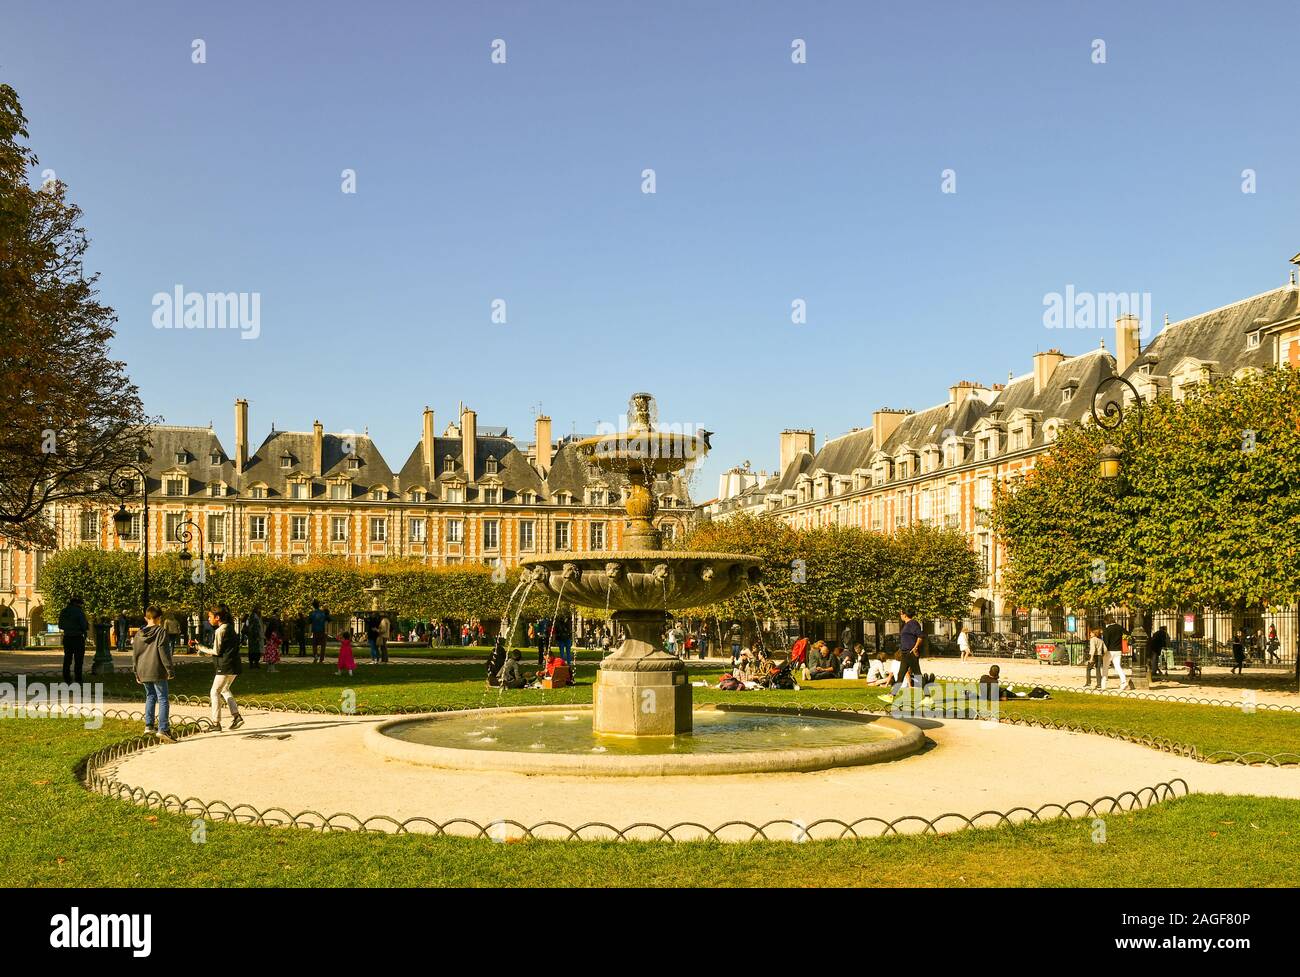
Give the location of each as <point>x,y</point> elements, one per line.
<point>378,494</point>
<point>89,527</point>
<point>338,529</point>
<point>298,529</point>
<point>455,531</point>
<point>214,490</point>
<point>597,536</point>
<point>341,491</point>
<point>416,531</point>
<point>173,526</point>
<point>490,466</point>
<point>527,540</point>
<point>455,494</point>
<point>562,540</point>
<point>491,534</point>
<point>257,492</point>
<point>378,529</point>
<point>175,485</point>
<point>257,528</point>
<point>491,496</point>
<point>216,527</point>
<point>298,490</point>
<point>984,493</point>
<point>1252,340</point>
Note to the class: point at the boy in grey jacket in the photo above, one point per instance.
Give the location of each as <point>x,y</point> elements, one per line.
<point>152,660</point>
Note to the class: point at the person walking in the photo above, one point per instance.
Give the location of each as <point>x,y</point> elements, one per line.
<point>271,654</point>
<point>382,634</point>
<point>75,627</point>
<point>121,632</point>
<point>225,654</point>
<point>963,642</point>
<point>910,638</point>
<point>254,631</point>
<point>1238,652</point>
<point>1114,639</point>
<point>152,663</point>
<point>1156,651</point>
<point>735,637</point>
<point>1273,645</point>
<point>347,661</point>
<point>300,632</point>
<point>317,620</point>
<point>172,630</point>
<point>564,638</point>
<point>1096,660</point>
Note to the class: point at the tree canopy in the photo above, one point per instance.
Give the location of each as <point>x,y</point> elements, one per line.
<point>71,414</point>
<point>836,572</point>
<point>1206,511</point>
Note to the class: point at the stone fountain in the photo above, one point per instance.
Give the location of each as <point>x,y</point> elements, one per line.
<point>642,690</point>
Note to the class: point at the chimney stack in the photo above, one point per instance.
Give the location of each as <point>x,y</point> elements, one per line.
<point>793,441</point>
<point>317,447</point>
<point>884,422</point>
<point>1128,342</point>
<point>427,442</point>
<point>542,434</point>
<point>241,435</point>
<point>1045,365</point>
<point>959,391</point>
<point>468,435</point>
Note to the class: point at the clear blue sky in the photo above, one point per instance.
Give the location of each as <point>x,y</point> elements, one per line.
<point>775,182</point>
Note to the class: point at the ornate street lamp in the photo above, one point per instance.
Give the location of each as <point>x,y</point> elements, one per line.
<point>185,535</point>
<point>1110,462</point>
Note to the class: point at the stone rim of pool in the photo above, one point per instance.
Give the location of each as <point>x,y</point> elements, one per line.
<point>905,739</point>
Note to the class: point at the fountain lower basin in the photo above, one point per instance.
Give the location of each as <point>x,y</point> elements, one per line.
<point>726,739</point>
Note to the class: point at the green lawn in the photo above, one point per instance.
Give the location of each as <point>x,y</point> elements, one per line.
<point>58,834</point>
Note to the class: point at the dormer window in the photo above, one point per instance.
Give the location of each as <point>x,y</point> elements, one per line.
<point>417,495</point>
<point>214,458</point>
<point>1252,340</point>
<point>378,493</point>
<point>258,492</point>
<point>298,490</point>
<point>175,485</point>
<point>490,466</point>
<point>182,457</point>
<point>286,460</point>
<point>354,464</point>
<point>214,490</point>
<point>1145,369</point>
<point>455,494</point>
<point>491,496</point>
<point>1067,394</point>
<point>340,491</point>
<point>448,463</point>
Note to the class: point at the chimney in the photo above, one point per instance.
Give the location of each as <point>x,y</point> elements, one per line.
<point>959,391</point>
<point>427,442</point>
<point>884,422</point>
<point>794,441</point>
<point>1045,365</point>
<point>1128,343</point>
<point>317,447</point>
<point>468,434</point>
<point>241,435</point>
<point>542,433</point>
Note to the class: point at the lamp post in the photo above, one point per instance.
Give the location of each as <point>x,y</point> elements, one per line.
<point>185,535</point>
<point>1110,464</point>
<point>122,485</point>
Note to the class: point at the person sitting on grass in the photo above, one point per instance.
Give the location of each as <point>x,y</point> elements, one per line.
<point>552,663</point>
<point>824,665</point>
<point>991,686</point>
<point>512,673</point>
<point>347,662</point>
<point>878,672</point>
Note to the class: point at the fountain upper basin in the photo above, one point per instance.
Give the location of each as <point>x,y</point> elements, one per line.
<point>638,580</point>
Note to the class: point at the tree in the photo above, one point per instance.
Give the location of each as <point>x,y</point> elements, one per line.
<point>71,415</point>
<point>1206,511</point>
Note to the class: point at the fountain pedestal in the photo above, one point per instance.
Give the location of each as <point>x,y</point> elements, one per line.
<point>641,690</point>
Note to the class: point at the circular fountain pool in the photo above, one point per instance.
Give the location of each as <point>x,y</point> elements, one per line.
<point>725,740</point>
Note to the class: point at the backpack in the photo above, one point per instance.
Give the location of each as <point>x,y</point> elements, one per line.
<point>729,683</point>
